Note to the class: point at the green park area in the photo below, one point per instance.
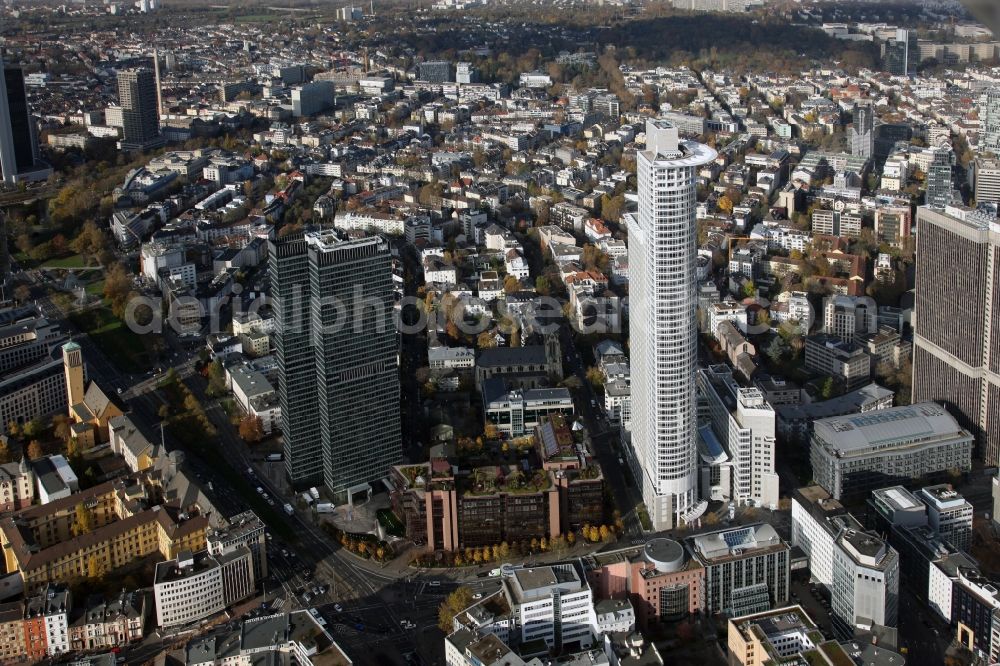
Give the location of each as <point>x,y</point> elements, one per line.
<point>123,347</point>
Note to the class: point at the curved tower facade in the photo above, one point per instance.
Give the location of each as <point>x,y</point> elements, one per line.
<point>663,329</point>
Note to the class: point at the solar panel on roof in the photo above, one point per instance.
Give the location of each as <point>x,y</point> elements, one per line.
<point>739,537</point>
<point>549,441</point>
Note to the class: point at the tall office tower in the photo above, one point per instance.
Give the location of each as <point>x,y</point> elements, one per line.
<point>863,131</point>
<point>465,72</point>
<point>902,54</point>
<point>435,71</point>
<point>340,380</point>
<point>939,177</point>
<point>956,338</point>
<point>989,120</point>
<point>137,95</point>
<point>159,85</point>
<point>312,98</point>
<point>288,268</point>
<point>664,335</point>
<point>18,139</point>
<point>986,180</point>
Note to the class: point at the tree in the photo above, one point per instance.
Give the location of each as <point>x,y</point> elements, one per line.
<point>94,569</point>
<point>595,376</point>
<point>60,427</point>
<point>725,204</point>
<point>84,520</point>
<point>511,284</point>
<point>612,207</point>
<point>90,242</point>
<point>72,448</point>
<point>32,429</point>
<point>251,429</point>
<point>22,293</point>
<point>453,604</point>
<point>14,429</point>
<point>593,258</point>
<point>117,288</point>
<point>35,450</point>
<point>490,430</point>
<point>504,550</point>
<point>749,289</point>
<point>5,454</point>
<point>571,538</point>
<point>486,340</point>
<point>605,533</point>
<point>216,379</point>
<point>776,349</point>
<point>827,389</point>
<point>543,285</point>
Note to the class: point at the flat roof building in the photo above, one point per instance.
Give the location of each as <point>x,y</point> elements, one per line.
<point>746,568</point>
<point>853,455</point>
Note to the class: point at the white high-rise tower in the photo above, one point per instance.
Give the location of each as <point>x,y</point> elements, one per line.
<point>663,328</point>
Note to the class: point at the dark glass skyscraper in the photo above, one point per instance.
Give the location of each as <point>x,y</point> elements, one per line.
<point>337,352</point>
<point>288,265</point>
<point>137,95</point>
<point>18,140</point>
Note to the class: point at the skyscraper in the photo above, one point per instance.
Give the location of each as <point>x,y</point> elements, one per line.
<point>956,340</point>
<point>288,267</point>
<point>989,120</point>
<point>939,178</point>
<point>902,54</point>
<point>337,348</point>
<point>137,95</point>
<point>863,131</point>
<point>662,247</point>
<point>18,139</point>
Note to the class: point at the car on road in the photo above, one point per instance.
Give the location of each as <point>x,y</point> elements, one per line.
<point>477,595</point>
<point>338,608</point>
<point>435,583</point>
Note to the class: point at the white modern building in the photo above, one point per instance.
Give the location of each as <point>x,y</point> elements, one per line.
<point>865,591</point>
<point>746,568</point>
<point>989,120</point>
<point>860,570</point>
<point>618,401</point>
<point>948,514</point>
<point>664,335</point>
<point>744,423</point>
<point>444,358</point>
<point>849,316</point>
<point>197,585</point>
<point>551,603</point>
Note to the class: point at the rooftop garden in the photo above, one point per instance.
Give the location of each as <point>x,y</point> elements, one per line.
<point>492,480</point>
<point>411,472</point>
